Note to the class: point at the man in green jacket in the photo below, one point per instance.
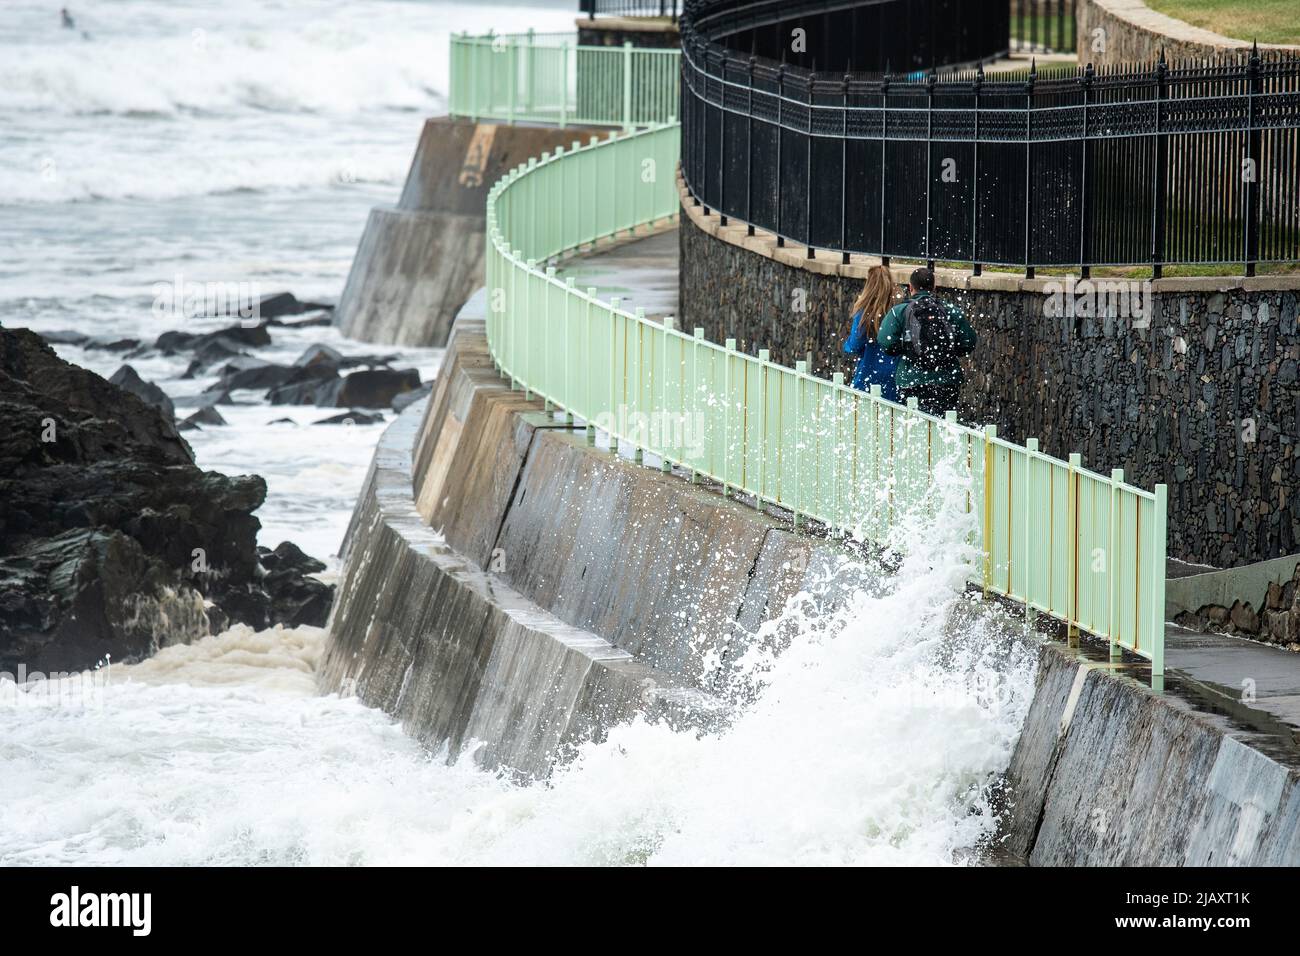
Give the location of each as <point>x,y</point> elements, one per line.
<point>930,337</point>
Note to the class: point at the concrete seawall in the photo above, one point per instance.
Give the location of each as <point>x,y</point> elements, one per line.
<point>419,262</point>
<point>568,589</point>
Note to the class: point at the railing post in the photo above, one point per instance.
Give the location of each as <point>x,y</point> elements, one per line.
<point>1072,585</point>
<point>1160,174</point>
<point>808,170</point>
<point>844,169</point>
<point>1112,579</point>
<point>764,358</point>
<point>1029,165</point>
<point>780,109</point>
<point>614,416</point>
<point>726,426</point>
<point>531,80</point>
<point>990,433</point>
<point>975,179</point>
<point>930,79</point>
<point>665,464</point>
<point>564,82</point>
<point>1251,250</point>
<point>627,85</point>
<point>695,394</point>
<point>569,292</point>
<point>722,150</point>
<point>586,347</point>
<point>639,325</point>
<point>1085,220</point>
<point>749,151</point>
<point>884,186</point>
<point>1156,600</point>
<point>514,80</point>
<point>1031,452</point>
<point>801,369</point>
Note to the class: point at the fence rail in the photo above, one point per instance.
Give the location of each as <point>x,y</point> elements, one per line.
<point>550,78</point>
<point>1185,163</point>
<point>1082,547</point>
<point>629,8</point>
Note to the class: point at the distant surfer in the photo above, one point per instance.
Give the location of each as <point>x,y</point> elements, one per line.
<point>68,22</point>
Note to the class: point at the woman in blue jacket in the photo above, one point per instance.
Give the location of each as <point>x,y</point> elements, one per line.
<point>874,366</point>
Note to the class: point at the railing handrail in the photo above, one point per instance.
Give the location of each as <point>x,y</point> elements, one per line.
<point>782,435</point>
<point>550,78</point>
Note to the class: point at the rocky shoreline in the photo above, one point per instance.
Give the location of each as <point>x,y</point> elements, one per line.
<point>113,542</point>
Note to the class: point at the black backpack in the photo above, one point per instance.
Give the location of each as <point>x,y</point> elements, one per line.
<point>929,337</point>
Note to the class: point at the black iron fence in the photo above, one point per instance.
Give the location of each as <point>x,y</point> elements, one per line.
<point>629,8</point>
<point>1169,163</point>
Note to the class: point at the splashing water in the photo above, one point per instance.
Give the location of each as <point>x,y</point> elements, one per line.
<point>872,737</point>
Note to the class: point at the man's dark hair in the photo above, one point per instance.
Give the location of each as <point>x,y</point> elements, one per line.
<point>923,280</point>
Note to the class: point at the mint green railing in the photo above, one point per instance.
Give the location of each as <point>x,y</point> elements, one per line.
<point>1082,547</point>
<point>549,78</point>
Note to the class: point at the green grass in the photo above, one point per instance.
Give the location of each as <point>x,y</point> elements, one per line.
<point>1268,21</point>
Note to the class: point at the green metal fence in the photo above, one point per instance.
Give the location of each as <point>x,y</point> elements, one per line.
<point>549,78</point>
<point>1082,547</point>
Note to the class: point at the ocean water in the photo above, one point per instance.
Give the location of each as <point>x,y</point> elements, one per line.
<point>244,142</point>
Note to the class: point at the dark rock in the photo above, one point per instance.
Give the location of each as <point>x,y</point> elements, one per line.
<point>236,337</point>
<point>400,402</point>
<point>282,421</point>
<point>213,396</point>
<point>352,417</point>
<point>285,303</point>
<point>128,379</point>
<point>296,599</point>
<point>111,538</point>
<point>64,337</point>
<point>208,415</point>
<point>248,372</point>
<point>304,387</point>
<point>110,343</point>
<point>370,388</point>
<point>176,341</point>
<point>319,355</point>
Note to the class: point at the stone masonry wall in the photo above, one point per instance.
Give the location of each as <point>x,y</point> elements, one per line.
<point>1131,32</point>
<point>1206,399</point>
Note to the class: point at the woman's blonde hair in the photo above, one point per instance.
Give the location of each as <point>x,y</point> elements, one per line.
<point>877,295</point>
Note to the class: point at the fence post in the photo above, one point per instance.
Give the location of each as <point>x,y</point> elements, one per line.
<point>1029,192</point>
<point>514,80</point>
<point>722,149</point>
<point>639,325</point>
<point>808,171</point>
<point>1031,452</point>
<point>665,465</point>
<point>627,84</point>
<point>695,397</point>
<point>1112,577</point>
<point>564,83</point>
<point>884,187</point>
<point>976,268</point>
<point>586,348</point>
<point>749,152</point>
<point>531,80</point>
<point>614,303</point>
<point>1251,250</point>
<point>990,433</point>
<point>1085,223</point>
<point>1072,586</point>
<point>780,101</point>
<point>726,425</point>
<point>1160,172</point>
<point>1157,598</point>
<point>931,79</point>
<point>764,357</point>
<point>570,291</point>
<point>800,369</point>
<point>844,169</point>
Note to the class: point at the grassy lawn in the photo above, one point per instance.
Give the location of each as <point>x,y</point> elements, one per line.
<point>1268,21</point>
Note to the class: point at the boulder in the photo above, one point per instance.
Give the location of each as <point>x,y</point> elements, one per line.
<point>64,337</point>
<point>128,379</point>
<point>318,354</point>
<point>369,388</point>
<point>112,541</point>
<point>304,387</point>
<point>208,415</point>
<point>249,372</point>
<point>295,598</point>
<point>110,343</point>
<point>285,303</point>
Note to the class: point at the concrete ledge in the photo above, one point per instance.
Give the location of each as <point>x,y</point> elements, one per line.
<point>1134,33</point>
